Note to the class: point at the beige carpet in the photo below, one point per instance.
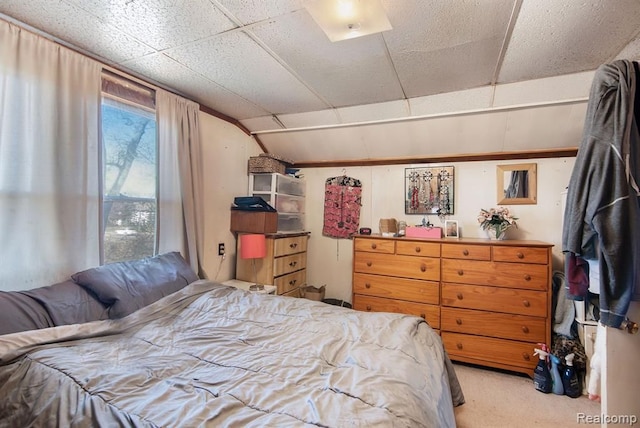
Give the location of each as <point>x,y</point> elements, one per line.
<point>496,399</point>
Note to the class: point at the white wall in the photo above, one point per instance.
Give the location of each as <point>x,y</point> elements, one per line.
<point>225,152</point>
<point>329,259</point>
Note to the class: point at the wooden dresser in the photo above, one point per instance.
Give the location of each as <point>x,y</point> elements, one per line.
<point>490,300</point>
<point>284,266</point>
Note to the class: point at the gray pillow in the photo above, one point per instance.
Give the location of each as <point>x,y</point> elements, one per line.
<point>69,303</point>
<point>21,313</point>
<point>129,286</point>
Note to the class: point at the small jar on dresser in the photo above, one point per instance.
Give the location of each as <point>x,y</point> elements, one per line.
<point>490,300</point>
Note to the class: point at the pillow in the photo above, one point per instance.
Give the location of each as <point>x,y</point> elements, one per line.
<point>68,303</point>
<point>21,313</point>
<point>129,286</point>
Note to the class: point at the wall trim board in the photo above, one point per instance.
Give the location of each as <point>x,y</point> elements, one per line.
<point>470,157</point>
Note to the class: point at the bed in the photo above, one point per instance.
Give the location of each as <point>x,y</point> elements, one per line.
<point>212,355</point>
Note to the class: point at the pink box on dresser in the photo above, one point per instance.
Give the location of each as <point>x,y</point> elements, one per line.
<point>423,232</point>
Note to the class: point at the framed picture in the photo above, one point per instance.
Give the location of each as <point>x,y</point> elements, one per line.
<point>429,190</point>
<point>451,229</point>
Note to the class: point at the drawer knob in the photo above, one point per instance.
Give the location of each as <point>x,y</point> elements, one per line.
<point>369,264</point>
<point>293,245</point>
<point>367,285</point>
<point>458,321</point>
<point>423,267</point>
<point>374,246</point>
<point>527,277</point>
<point>460,272</point>
<point>525,329</point>
<point>459,296</point>
<point>526,356</point>
<point>368,307</point>
<point>526,303</point>
<point>459,345</point>
<point>292,264</point>
<point>293,282</point>
<point>520,255</point>
<point>423,316</point>
<point>465,252</point>
<point>418,249</point>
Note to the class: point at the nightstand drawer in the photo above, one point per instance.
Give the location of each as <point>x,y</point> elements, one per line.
<point>291,245</point>
<point>400,266</point>
<point>286,283</point>
<point>505,326</point>
<point>508,275</point>
<point>287,264</point>
<point>397,288</point>
<point>431,313</point>
<point>498,299</point>
<point>466,251</point>
<point>501,351</point>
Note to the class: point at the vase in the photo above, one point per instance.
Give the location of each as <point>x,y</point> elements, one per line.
<point>493,235</point>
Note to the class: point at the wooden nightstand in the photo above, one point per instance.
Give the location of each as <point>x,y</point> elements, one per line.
<point>244,285</point>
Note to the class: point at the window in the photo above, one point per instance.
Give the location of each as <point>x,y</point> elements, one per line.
<point>129,170</point>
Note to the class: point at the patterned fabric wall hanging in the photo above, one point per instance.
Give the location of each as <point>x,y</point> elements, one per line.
<point>342,201</point>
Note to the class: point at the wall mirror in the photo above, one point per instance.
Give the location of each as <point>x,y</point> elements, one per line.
<point>517,184</point>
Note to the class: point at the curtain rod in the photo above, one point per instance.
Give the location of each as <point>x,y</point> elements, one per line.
<point>426,116</point>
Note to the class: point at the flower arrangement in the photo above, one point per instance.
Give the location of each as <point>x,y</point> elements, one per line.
<point>497,219</point>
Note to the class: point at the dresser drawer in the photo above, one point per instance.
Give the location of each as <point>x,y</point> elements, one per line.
<point>397,288</point>
<point>498,299</point>
<point>521,255</point>
<point>516,275</point>
<point>418,248</point>
<point>289,282</point>
<point>293,293</point>
<point>400,266</point>
<point>506,326</point>
<point>431,313</point>
<point>466,251</point>
<point>383,246</point>
<point>501,351</point>
<point>290,245</point>
<point>292,263</point>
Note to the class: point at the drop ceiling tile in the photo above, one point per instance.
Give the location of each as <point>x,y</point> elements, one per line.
<point>539,128</point>
<point>75,26</point>
<point>549,89</point>
<point>261,123</point>
<point>250,11</point>
<point>161,24</point>
<point>314,118</point>
<point>377,111</point>
<point>631,51</point>
<point>236,62</point>
<point>437,48</point>
<point>341,72</point>
<point>554,38</point>
<point>451,102</point>
<point>166,71</point>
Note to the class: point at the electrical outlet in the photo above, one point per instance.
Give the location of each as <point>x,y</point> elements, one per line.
<point>221,249</point>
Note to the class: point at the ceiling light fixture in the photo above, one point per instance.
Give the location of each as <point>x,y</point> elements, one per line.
<point>348,19</point>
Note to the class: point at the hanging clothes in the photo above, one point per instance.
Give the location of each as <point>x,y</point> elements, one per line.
<point>342,201</point>
<point>602,214</point>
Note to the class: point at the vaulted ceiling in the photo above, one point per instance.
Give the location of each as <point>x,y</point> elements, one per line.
<point>268,64</point>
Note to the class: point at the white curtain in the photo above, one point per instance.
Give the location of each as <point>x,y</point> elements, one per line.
<point>180,178</point>
<point>49,175</point>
